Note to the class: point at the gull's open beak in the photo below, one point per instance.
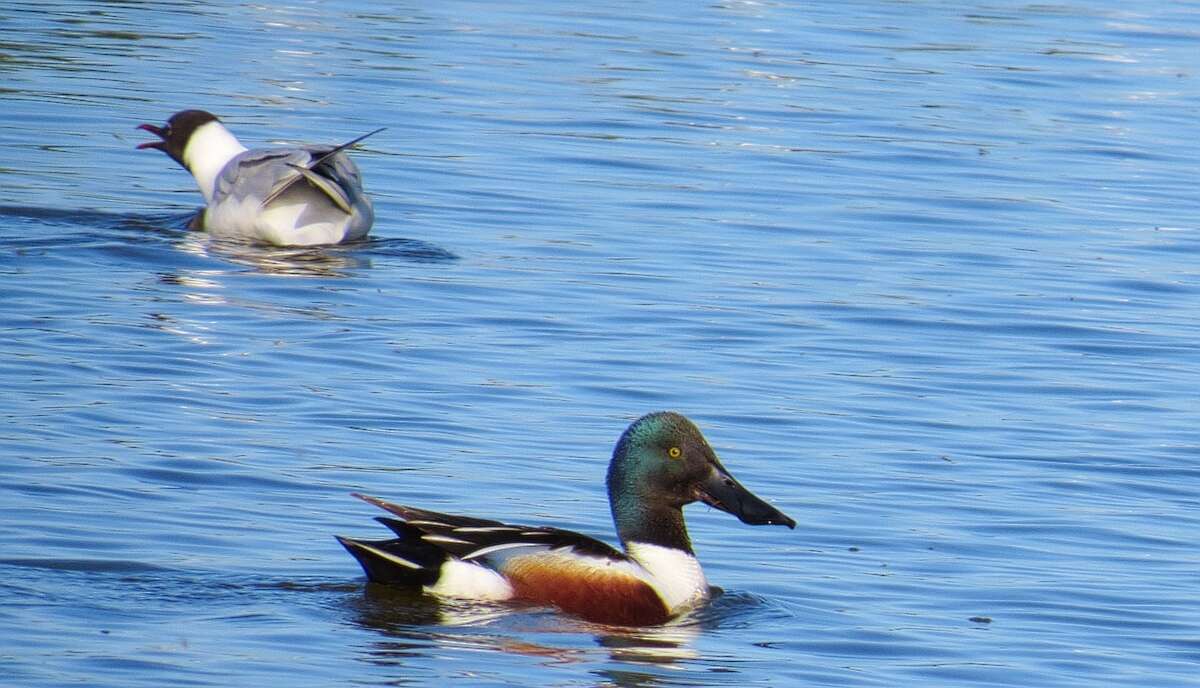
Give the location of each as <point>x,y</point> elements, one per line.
<point>160,132</point>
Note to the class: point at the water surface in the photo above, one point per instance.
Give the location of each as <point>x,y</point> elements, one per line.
<point>926,275</point>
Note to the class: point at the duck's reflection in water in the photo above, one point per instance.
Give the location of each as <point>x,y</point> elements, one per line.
<point>413,626</point>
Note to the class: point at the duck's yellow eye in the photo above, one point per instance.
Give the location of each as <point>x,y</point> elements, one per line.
<point>674,452</point>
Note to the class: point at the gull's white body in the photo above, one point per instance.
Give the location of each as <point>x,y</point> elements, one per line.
<point>237,182</point>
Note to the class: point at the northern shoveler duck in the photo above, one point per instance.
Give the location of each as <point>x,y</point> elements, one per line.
<point>257,194</point>
<point>661,463</point>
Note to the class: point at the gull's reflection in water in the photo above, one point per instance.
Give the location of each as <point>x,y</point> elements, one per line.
<point>178,230</point>
<point>199,269</point>
<point>412,625</point>
<point>316,261</point>
<point>341,260</point>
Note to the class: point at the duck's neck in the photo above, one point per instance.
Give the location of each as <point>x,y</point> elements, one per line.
<point>208,151</point>
<point>638,521</point>
<point>657,540</point>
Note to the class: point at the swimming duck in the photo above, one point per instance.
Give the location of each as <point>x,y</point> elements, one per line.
<point>661,463</point>
<point>258,194</point>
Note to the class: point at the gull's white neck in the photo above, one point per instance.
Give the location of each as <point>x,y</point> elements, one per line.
<point>210,148</point>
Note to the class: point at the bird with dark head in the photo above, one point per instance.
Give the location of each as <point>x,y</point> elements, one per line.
<point>660,464</point>
<point>287,196</point>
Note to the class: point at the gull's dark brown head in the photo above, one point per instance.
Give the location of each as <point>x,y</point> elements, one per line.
<point>176,133</point>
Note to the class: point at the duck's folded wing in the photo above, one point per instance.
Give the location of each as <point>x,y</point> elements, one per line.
<point>575,572</point>
<point>471,538</point>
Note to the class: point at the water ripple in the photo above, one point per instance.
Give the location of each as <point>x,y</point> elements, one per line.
<point>925,279</point>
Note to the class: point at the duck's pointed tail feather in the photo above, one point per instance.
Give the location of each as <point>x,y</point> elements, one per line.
<point>426,517</point>
<point>398,561</point>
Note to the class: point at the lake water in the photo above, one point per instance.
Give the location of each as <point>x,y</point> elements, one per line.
<point>927,275</point>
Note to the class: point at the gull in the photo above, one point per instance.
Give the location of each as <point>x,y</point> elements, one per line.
<point>287,195</point>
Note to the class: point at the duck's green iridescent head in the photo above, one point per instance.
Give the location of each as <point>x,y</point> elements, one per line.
<point>661,463</point>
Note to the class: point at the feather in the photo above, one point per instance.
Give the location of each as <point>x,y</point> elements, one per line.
<point>306,172</point>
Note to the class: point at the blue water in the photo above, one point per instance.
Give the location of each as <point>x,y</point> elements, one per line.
<point>926,274</point>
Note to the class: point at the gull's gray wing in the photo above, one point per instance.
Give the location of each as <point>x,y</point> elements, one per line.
<point>329,170</point>
<point>254,174</point>
<point>265,174</point>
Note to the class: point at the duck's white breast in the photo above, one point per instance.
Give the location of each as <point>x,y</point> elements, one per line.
<point>675,574</point>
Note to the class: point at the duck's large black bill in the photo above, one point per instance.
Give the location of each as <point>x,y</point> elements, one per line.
<point>721,491</point>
